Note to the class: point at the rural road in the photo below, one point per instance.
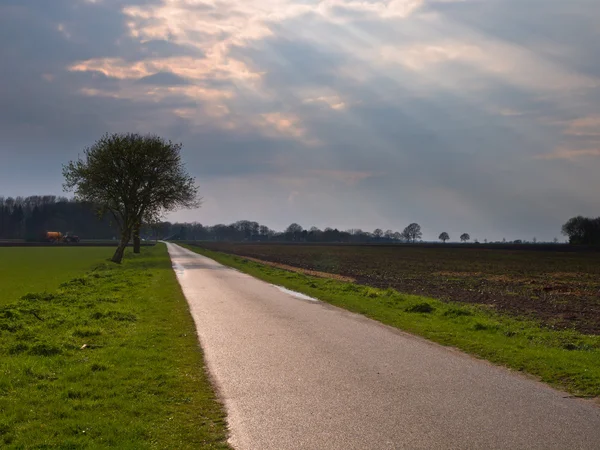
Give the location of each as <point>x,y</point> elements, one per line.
<point>299,374</point>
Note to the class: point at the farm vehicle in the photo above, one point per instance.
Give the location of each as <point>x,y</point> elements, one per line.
<point>57,237</point>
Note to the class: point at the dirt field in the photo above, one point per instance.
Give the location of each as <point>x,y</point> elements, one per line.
<point>561,288</point>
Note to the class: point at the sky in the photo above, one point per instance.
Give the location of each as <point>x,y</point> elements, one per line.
<point>477,116</point>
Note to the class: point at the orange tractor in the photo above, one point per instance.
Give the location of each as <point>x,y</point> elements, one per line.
<point>57,236</point>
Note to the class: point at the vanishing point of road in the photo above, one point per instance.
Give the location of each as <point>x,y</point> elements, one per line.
<point>300,374</point>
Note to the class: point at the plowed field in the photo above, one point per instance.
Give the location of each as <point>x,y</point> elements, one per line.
<point>562,289</point>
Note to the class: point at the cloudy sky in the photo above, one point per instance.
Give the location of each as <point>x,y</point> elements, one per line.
<point>479,116</point>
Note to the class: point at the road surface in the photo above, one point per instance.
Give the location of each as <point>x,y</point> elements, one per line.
<point>295,373</point>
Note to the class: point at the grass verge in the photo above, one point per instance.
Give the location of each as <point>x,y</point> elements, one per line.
<point>565,359</point>
<point>110,359</point>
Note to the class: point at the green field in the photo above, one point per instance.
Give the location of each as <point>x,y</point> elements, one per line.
<point>38,269</point>
<point>566,359</point>
<point>108,360</point>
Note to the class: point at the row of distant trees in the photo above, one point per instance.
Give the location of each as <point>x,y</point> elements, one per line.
<point>29,217</point>
<point>444,236</point>
<point>245,230</point>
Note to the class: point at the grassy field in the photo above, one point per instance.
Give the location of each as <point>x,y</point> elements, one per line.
<point>39,269</point>
<point>558,288</point>
<point>564,358</point>
<point>109,359</point>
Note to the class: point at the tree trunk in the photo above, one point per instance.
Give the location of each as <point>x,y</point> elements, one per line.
<point>118,256</point>
<point>136,238</point>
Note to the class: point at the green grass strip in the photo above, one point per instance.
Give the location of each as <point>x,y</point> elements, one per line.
<point>565,359</point>
<point>111,359</point>
<point>36,269</point>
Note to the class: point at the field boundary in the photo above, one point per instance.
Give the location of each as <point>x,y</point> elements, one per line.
<point>314,273</point>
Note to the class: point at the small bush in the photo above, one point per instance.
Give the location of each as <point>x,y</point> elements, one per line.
<point>98,367</point>
<point>480,326</point>
<point>107,300</point>
<point>114,315</point>
<point>10,325</point>
<point>389,292</point>
<point>581,346</point>
<point>423,307</point>
<point>45,349</point>
<point>457,312</point>
<point>122,317</point>
<point>18,348</point>
<point>87,332</point>
<point>44,296</point>
<point>4,428</point>
<point>372,293</point>
<point>9,313</point>
<point>74,395</point>
<point>75,282</point>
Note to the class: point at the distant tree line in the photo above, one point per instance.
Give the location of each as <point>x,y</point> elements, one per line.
<point>245,230</point>
<point>29,217</point>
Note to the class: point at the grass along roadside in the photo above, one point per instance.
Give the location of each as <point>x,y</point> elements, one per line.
<point>110,359</point>
<point>37,269</point>
<point>565,359</point>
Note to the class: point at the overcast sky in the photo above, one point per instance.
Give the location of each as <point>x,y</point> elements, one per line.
<point>478,116</point>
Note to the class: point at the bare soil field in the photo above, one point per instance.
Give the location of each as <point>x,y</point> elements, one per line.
<point>560,288</point>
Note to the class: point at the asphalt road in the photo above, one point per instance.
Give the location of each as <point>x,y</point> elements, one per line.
<point>295,373</point>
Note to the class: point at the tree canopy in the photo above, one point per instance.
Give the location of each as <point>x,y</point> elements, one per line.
<point>136,178</point>
<point>412,232</point>
<point>444,237</point>
<point>582,230</point>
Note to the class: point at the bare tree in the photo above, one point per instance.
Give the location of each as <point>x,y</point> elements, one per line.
<point>378,233</point>
<point>465,237</point>
<point>444,237</point>
<point>412,232</point>
<point>133,177</point>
